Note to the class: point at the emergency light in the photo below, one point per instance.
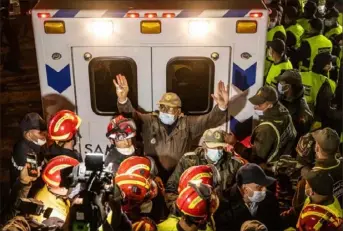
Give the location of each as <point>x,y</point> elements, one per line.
<point>101,28</point>
<point>246,27</point>
<point>54,27</point>
<point>132,15</point>
<point>150,15</point>
<point>43,15</point>
<point>151,27</point>
<point>198,28</point>
<point>168,15</point>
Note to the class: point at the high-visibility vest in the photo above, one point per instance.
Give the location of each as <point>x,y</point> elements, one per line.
<point>270,36</point>
<point>170,224</point>
<point>334,31</point>
<point>275,70</point>
<point>315,216</point>
<point>340,19</point>
<point>318,44</point>
<point>60,207</point>
<point>312,83</point>
<point>298,32</point>
<point>304,23</point>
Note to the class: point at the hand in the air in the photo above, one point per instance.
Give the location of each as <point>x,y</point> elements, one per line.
<point>221,96</point>
<point>122,88</point>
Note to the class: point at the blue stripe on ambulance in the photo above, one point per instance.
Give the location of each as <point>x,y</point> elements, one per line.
<point>189,14</point>
<point>58,80</point>
<point>243,79</point>
<point>241,129</point>
<point>235,13</point>
<point>66,13</point>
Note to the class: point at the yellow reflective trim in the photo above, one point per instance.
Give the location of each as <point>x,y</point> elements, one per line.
<point>60,137</point>
<point>133,182</point>
<point>50,182</point>
<point>61,120</point>
<point>201,175</point>
<point>195,202</point>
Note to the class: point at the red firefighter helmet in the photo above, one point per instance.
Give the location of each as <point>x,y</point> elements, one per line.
<point>316,217</point>
<point>136,188</point>
<point>198,201</point>
<point>63,125</point>
<point>207,174</point>
<point>144,166</point>
<point>121,128</point>
<point>144,224</point>
<point>52,172</point>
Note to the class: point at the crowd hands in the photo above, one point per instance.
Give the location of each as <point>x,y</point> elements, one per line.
<point>287,175</point>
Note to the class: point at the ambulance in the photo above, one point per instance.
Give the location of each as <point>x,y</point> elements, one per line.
<point>178,46</point>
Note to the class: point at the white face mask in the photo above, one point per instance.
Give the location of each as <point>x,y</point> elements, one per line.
<point>39,142</point>
<point>126,151</point>
<point>282,89</point>
<point>258,112</point>
<point>166,118</point>
<point>146,207</point>
<point>258,196</point>
<point>329,22</point>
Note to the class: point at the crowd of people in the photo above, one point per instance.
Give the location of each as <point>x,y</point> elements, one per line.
<point>287,175</point>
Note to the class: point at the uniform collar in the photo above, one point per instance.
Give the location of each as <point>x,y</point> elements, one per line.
<point>327,163</point>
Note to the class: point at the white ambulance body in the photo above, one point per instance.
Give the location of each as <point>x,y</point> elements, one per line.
<point>185,47</point>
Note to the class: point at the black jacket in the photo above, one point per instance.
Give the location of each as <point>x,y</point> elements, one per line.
<point>55,150</point>
<point>300,112</point>
<point>19,156</point>
<point>232,213</point>
<point>116,158</point>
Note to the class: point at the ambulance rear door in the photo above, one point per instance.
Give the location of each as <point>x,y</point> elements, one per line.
<point>190,72</point>
<point>96,101</point>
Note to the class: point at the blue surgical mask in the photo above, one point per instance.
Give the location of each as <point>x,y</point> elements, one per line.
<point>166,118</point>
<point>214,154</point>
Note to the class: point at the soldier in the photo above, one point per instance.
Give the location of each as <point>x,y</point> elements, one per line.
<point>212,152</point>
<point>167,135</point>
<point>274,134</point>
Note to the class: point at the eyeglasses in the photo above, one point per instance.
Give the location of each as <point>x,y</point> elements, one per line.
<point>167,109</point>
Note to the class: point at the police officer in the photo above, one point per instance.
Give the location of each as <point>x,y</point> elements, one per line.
<point>310,11</point>
<point>212,152</point>
<point>291,95</point>
<point>315,44</point>
<point>120,132</point>
<point>332,28</point>
<point>277,52</point>
<point>275,31</point>
<point>319,92</point>
<point>274,134</point>
<point>195,207</point>
<point>321,210</point>
<point>167,135</point>
<point>63,128</point>
<point>294,32</point>
<point>30,146</point>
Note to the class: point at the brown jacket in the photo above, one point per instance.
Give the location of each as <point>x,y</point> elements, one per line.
<point>168,149</point>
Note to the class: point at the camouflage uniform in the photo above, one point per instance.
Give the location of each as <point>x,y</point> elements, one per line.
<point>227,166</point>
<point>165,143</point>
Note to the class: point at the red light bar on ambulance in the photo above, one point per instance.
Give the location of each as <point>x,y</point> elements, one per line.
<point>150,15</point>
<point>256,14</point>
<point>168,15</point>
<point>43,15</point>
<point>132,15</point>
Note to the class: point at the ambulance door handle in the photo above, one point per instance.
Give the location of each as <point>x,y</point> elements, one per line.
<point>87,56</point>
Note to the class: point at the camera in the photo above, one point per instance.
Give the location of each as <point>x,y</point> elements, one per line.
<point>93,167</point>
<point>30,206</point>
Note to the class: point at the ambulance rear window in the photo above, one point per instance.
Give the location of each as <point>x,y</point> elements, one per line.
<point>192,79</point>
<point>102,71</point>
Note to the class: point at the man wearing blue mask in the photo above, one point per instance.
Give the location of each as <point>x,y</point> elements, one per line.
<point>249,199</point>
<point>212,152</point>
<point>274,134</point>
<point>168,134</point>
